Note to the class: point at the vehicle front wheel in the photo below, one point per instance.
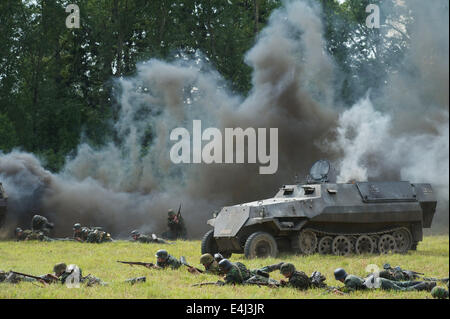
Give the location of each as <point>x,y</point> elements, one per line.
<point>209,245</point>
<point>260,245</point>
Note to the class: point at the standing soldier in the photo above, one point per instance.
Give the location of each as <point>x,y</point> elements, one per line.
<point>40,223</point>
<point>175,223</point>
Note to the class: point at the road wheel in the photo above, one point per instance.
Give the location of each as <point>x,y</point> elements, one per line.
<point>209,245</point>
<point>341,246</point>
<point>260,245</point>
<point>403,240</point>
<point>307,242</point>
<point>325,245</point>
<point>387,244</point>
<point>364,245</point>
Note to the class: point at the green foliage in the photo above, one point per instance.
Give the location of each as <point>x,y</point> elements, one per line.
<point>57,83</point>
<point>99,260</point>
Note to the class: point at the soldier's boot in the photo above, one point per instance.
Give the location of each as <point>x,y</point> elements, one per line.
<point>425,285</point>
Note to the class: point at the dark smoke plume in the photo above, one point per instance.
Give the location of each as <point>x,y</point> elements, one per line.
<point>126,186</point>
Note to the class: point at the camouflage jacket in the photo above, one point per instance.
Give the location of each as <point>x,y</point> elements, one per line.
<point>171,262</point>
<point>245,273</point>
<point>39,223</point>
<point>98,236</point>
<point>82,234</point>
<point>354,283</point>
<point>299,280</point>
<point>234,276</point>
<point>396,275</point>
<point>213,268</point>
<point>33,235</point>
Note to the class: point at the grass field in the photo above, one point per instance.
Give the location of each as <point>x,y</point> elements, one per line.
<point>431,257</point>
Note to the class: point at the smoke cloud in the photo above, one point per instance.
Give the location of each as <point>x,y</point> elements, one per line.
<point>130,185</point>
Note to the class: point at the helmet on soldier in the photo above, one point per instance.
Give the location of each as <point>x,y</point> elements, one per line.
<point>162,254</point>
<point>59,268</point>
<point>18,230</point>
<point>218,257</point>
<point>135,233</point>
<point>76,226</point>
<point>340,274</point>
<point>287,269</point>
<point>171,213</point>
<point>206,259</point>
<point>439,293</point>
<point>225,265</point>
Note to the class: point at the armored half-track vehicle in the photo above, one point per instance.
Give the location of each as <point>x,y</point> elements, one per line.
<point>323,216</point>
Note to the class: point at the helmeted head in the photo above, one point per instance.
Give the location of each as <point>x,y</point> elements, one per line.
<point>58,269</point>
<point>218,257</point>
<point>2,275</point>
<point>135,234</point>
<point>287,269</point>
<point>171,213</point>
<point>18,231</point>
<point>162,255</point>
<point>77,227</point>
<point>439,293</point>
<point>225,265</point>
<point>340,274</point>
<point>206,259</point>
<point>387,266</point>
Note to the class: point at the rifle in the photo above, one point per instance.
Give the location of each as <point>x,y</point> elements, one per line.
<point>184,262</point>
<point>137,263</point>
<point>46,279</point>
<point>215,283</point>
<point>443,280</point>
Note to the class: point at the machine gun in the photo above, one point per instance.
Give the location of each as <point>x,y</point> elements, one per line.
<point>190,268</point>
<point>137,263</point>
<point>410,273</point>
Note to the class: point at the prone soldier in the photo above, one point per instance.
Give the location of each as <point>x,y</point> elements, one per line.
<point>353,282</point>
<point>137,236</point>
<point>164,260</point>
<point>24,235</point>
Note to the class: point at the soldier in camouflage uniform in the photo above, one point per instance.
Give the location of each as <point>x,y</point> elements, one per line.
<point>164,260</point>
<point>177,228</point>
<point>210,264</point>
<point>397,274</point>
<point>98,236</point>
<point>62,272</point>
<point>296,279</point>
<point>353,282</point>
<point>22,235</point>
<point>237,273</point>
<point>80,233</point>
<point>137,236</point>
<point>41,224</point>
